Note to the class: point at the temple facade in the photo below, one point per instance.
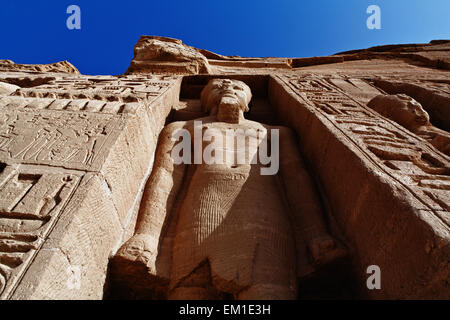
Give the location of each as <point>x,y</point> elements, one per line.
<point>92,207</point>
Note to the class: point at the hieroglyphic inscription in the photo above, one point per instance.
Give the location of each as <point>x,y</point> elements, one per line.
<point>90,94</point>
<point>31,198</point>
<point>402,155</point>
<point>69,139</point>
<point>66,122</point>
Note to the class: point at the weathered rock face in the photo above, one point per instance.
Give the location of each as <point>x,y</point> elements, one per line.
<point>62,66</point>
<point>6,88</point>
<point>162,55</point>
<point>93,206</point>
<point>432,54</point>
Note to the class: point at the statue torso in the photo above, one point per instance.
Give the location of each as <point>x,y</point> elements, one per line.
<point>228,211</point>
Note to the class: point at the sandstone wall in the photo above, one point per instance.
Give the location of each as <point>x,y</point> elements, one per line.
<point>75,153</point>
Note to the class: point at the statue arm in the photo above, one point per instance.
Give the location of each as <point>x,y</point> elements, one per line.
<point>158,199</point>
<point>162,186</point>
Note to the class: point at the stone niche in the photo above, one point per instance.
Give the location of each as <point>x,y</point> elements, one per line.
<point>189,107</point>
<point>378,193</point>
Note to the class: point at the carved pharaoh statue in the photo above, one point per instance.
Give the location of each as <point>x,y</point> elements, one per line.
<point>206,230</point>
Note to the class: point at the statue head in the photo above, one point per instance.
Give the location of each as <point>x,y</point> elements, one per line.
<point>226,99</point>
<point>402,109</point>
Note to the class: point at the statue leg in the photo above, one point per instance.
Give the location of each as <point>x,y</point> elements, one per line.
<point>267,292</point>
<point>196,286</point>
<point>134,270</point>
<point>193,293</point>
<point>274,272</point>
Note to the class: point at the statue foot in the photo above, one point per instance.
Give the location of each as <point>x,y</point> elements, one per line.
<point>267,292</point>
<point>194,293</point>
<point>141,248</point>
<point>325,249</point>
<point>133,270</point>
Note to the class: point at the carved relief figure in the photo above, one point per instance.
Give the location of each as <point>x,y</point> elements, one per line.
<point>30,136</point>
<point>234,230</point>
<point>410,114</point>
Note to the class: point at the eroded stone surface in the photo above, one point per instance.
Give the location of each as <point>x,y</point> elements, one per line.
<point>159,55</point>
<point>62,66</point>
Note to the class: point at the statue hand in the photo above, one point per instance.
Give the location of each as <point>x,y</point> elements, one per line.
<point>325,249</point>
<point>141,248</point>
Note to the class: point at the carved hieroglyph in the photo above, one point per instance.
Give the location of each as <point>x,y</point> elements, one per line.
<point>403,156</point>
<point>51,136</point>
<point>31,199</point>
<point>415,171</point>
<point>58,138</point>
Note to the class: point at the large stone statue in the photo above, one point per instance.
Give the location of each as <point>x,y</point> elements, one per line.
<point>234,230</point>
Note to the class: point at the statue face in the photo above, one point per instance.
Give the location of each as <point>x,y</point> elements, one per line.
<point>227,99</point>
<point>410,113</point>
<point>402,109</point>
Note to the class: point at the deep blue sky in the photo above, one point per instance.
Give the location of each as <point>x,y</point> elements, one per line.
<point>36,32</point>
